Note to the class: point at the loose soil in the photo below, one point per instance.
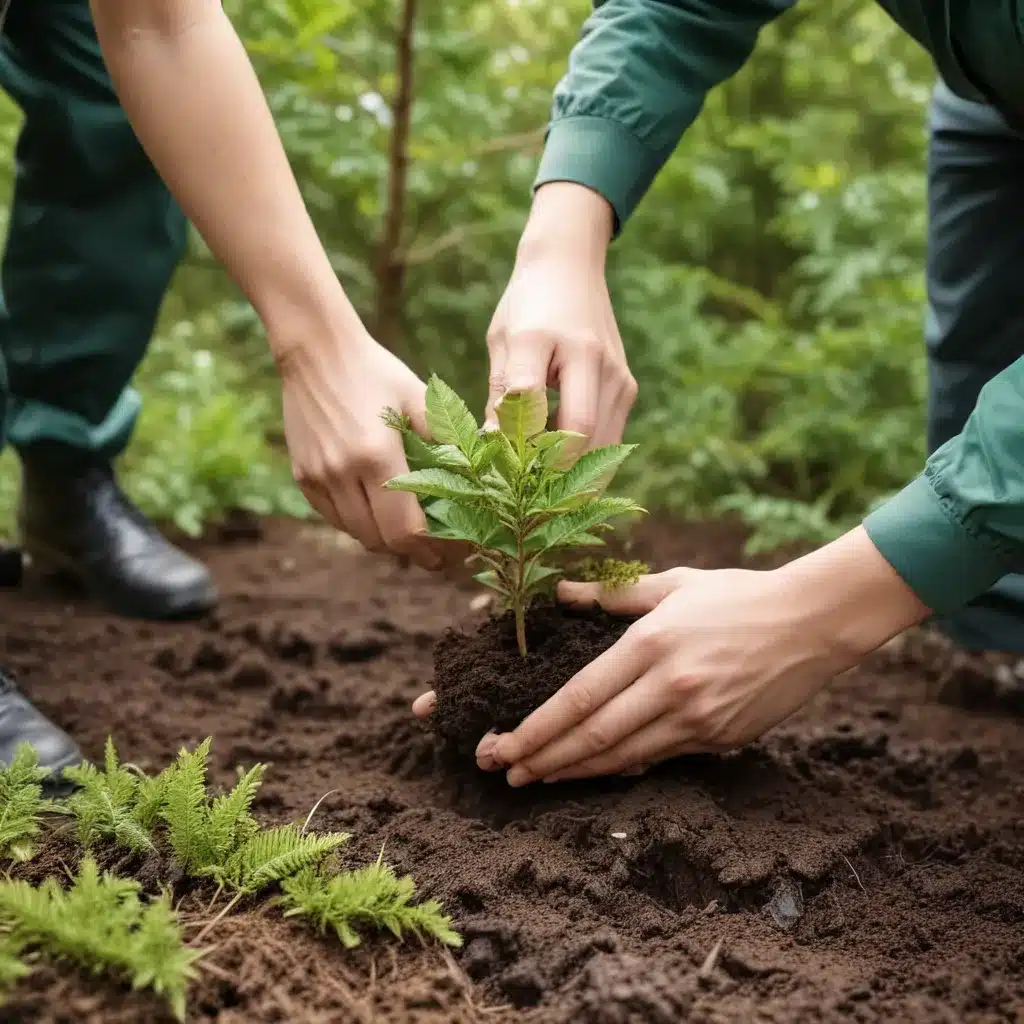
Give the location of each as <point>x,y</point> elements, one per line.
<point>864,863</point>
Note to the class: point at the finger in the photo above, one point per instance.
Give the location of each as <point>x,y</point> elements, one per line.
<point>496,381</point>
<point>321,502</point>
<point>621,717</point>
<point>423,706</point>
<point>579,386</point>
<point>657,741</point>
<point>353,508</point>
<point>484,756</point>
<point>403,527</point>
<point>607,675</point>
<point>616,402</point>
<point>527,361</point>
<point>639,599</point>
<point>415,408</point>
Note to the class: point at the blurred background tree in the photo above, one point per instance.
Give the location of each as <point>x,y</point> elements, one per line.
<point>769,290</point>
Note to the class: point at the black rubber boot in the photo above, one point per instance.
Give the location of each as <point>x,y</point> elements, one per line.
<point>21,722</point>
<point>81,524</point>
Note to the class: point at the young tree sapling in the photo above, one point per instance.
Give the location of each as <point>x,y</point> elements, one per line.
<point>516,494</point>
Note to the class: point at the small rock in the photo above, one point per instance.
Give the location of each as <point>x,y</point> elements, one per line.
<point>480,602</point>
<point>786,906</point>
<point>618,835</point>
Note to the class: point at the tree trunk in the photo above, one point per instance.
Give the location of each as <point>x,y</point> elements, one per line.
<point>390,262</point>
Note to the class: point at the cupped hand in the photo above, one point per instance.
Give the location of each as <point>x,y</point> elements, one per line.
<point>343,452</point>
<point>717,659</point>
<point>554,326</point>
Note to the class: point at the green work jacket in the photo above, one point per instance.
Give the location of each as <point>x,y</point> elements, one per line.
<point>636,81</point>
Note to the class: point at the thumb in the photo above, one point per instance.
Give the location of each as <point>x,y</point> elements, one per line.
<point>643,596</point>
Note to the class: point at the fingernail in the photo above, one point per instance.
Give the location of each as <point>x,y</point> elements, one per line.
<point>485,748</point>
<point>557,777</point>
<point>518,776</point>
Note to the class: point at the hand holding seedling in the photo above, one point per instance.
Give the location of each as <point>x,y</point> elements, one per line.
<point>717,659</point>
<point>554,326</point>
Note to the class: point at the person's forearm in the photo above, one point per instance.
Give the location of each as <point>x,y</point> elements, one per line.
<point>568,220</point>
<point>850,596</point>
<point>193,99</point>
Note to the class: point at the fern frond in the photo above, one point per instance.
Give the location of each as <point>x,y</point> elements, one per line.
<point>101,924</point>
<point>229,822</point>
<point>103,805</point>
<point>12,967</point>
<point>371,897</point>
<point>185,808</point>
<point>274,855</point>
<point>149,799</point>
<point>21,803</point>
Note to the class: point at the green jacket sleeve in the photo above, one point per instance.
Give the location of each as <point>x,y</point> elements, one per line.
<point>959,526</point>
<point>636,81</point>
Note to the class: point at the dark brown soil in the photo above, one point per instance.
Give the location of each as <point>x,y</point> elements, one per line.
<point>482,682</point>
<point>864,863</point>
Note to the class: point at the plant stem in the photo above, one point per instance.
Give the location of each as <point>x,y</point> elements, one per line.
<point>520,595</point>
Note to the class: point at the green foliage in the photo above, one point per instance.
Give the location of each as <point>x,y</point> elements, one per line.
<point>100,924</point>
<point>504,493</point>
<point>21,803</point>
<point>611,573</point>
<point>371,897</point>
<point>106,805</point>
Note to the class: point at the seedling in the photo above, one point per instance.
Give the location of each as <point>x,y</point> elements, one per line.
<point>516,494</point>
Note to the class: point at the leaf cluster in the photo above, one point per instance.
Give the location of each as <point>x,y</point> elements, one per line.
<point>518,494</point>
<point>100,923</point>
<point>373,896</point>
<point>611,573</point>
<point>22,804</point>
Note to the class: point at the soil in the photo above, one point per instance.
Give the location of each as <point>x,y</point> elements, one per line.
<point>482,682</point>
<point>865,862</point>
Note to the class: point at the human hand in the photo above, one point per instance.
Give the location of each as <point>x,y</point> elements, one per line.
<point>554,326</point>
<point>342,451</point>
<point>717,659</point>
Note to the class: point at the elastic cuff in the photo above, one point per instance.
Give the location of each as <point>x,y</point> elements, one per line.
<point>603,156</point>
<point>934,554</point>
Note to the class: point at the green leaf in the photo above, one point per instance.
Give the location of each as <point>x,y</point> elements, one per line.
<point>449,456</point>
<point>436,483</point>
<point>505,459</point>
<point>449,418</point>
<point>592,471</point>
<point>559,448</point>
<point>539,576</point>
<point>491,579</point>
<point>457,522</point>
<point>522,415</point>
<point>566,530</point>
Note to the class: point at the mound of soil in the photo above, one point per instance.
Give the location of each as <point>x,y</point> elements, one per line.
<point>865,862</point>
<point>482,682</point>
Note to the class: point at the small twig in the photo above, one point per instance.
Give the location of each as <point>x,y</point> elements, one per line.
<point>309,817</point>
<point>711,959</point>
<point>227,907</point>
<point>854,870</point>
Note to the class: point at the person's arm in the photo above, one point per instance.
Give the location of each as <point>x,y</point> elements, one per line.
<point>194,101</point>
<point>959,527</point>
<point>636,81</point>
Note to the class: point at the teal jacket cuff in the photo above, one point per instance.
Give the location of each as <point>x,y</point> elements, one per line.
<point>938,558</point>
<point>602,155</point>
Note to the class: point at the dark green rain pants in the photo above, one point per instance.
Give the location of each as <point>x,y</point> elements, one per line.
<point>92,242</point>
<point>975,322</point>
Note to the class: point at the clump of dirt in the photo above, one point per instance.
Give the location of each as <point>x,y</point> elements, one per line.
<point>482,682</point>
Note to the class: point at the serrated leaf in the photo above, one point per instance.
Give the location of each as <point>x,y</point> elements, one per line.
<point>486,450</point>
<point>457,522</point>
<point>564,531</point>
<point>505,459</point>
<point>449,418</point>
<point>559,448</point>
<point>436,483</point>
<point>538,576</point>
<point>522,415</point>
<point>450,456</point>
<point>592,471</point>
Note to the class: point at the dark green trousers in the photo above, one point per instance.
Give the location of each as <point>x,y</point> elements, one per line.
<point>975,324</point>
<point>93,240</point>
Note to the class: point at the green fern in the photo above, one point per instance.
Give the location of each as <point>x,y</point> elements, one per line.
<point>372,897</point>
<point>273,856</point>
<point>12,965</point>
<point>105,802</point>
<point>21,803</point>
<point>185,809</point>
<point>99,924</point>
<point>230,824</point>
